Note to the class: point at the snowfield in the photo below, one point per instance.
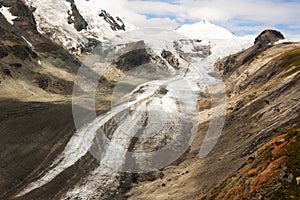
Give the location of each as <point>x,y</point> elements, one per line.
<point>52,18</point>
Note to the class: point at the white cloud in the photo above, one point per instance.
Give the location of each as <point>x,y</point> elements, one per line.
<point>165,23</point>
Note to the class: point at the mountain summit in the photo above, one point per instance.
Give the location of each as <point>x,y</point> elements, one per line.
<point>205,30</point>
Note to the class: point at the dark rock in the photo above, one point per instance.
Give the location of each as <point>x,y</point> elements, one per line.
<point>238,105</point>
<point>268,37</point>
<point>79,21</point>
<point>25,19</point>
<point>46,47</point>
<point>43,83</point>
<point>144,177</point>
<point>264,41</point>
<point>90,45</point>
<point>32,9</point>
<point>16,65</point>
<point>163,91</point>
<point>23,52</point>
<point>5,3</point>
<point>113,22</point>
<point>137,55</point>
<point>3,52</point>
<point>7,72</point>
<point>170,58</point>
<point>267,102</point>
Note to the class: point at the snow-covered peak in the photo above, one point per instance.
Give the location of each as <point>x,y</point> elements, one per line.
<point>205,30</point>
<point>73,23</point>
<point>91,10</point>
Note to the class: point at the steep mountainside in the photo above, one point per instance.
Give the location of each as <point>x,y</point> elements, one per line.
<point>32,65</point>
<point>78,25</point>
<point>36,83</point>
<point>263,103</point>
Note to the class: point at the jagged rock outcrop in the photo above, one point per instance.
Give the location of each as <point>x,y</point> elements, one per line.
<point>170,58</point>
<point>264,41</point>
<point>134,55</point>
<point>78,25</point>
<point>268,37</point>
<point>76,18</point>
<point>115,23</point>
<point>24,18</point>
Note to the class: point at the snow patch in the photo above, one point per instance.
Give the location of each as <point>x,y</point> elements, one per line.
<point>288,40</point>
<point>9,17</point>
<point>29,44</point>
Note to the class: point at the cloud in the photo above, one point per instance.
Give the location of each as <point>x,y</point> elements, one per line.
<point>240,16</point>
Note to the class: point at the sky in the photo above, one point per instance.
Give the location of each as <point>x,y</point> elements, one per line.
<point>242,17</point>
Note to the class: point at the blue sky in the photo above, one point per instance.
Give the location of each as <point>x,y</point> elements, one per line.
<point>239,16</point>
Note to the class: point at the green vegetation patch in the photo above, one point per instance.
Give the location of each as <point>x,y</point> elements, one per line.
<point>290,59</point>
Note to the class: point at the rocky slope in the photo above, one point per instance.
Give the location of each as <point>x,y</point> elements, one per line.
<point>255,157</point>
<point>36,83</point>
<point>270,172</point>
<point>263,103</point>
<point>31,60</point>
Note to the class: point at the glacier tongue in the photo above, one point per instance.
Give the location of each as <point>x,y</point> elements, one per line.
<point>105,178</point>
<point>176,96</point>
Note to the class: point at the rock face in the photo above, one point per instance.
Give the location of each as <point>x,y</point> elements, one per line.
<point>268,37</point>
<point>22,45</point>
<point>134,55</point>
<point>170,58</point>
<point>115,23</point>
<point>79,23</point>
<point>266,173</point>
<point>76,18</point>
<point>264,41</point>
